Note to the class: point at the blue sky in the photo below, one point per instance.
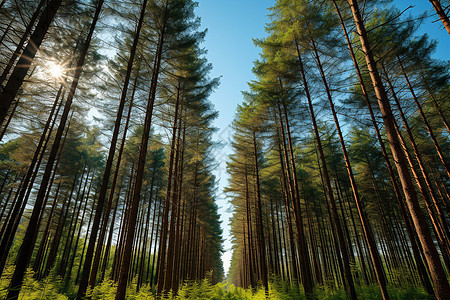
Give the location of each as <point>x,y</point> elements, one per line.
<point>231,26</point>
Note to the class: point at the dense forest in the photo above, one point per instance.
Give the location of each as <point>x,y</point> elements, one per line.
<point>339,174</point>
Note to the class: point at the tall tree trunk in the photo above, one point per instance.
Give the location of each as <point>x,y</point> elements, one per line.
<point>179,227</point>
<point>72,260</point>
<point>438,229</point>
<point>154,262</point>
<point>422,270</point>
<point>85,239</point>
<point>116,261</point>
<point>339,261</point>
<point>84,281</point>
<point>167,279</point>
<point>259,220</point>
<point>441,285</point>
<point>368,234</point>
<point>251,265</point>
<point>442,227</point>
<point>22,41</point>
<point>78,201</point>
<point>53,251</point>
<point>441,13</point>
<point>305,264</point>
<point>28,181</point>
<point>147,221</point>
<point>124,271</point>
<point>171,180</point>
<point>152,239</point>
<point>106,254</point>
<point>23,65</point>
<point>40,254</point>
<point>27,246</point>
<point>424,118</point>
<point>305,267</point>
<point>286,176</point>
<point>337,222</point>
<point>276,259</point>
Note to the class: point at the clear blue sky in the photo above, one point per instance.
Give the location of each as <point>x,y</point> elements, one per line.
<point>231,26</point>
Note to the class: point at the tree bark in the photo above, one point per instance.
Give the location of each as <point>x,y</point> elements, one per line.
<point>337,222</point>
<point>27,246</point>
<point>441,13</point>
<point>442,227</point>
<point>421,267</point>
<point>28,181</point>
<point>87,272</point>
<point>123,276</point>
<point>425,120</point>
<point>305,261</point>
<point>22,41</point>
<point>168,262</point>
<point>259,221</point>
<point>368,234</point>
<point>23,65</point>
<point>441,285</point>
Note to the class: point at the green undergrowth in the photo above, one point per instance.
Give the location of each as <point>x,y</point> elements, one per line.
<point>53,288</point>
<point>46,289</point>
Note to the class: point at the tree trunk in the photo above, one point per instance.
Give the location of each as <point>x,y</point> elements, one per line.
<point>28,181</point>
<point>84,281</point>
<point>40,254</point>
<point>181,212</point>
<point>337,254</point>
<point>53,252</point>
<point>22,41</point>
<point>85,241</point>
<point>27,246</point>
<point>441,285</point>
<point>23,65</point>
<point>422,270</point>
<point>438,229</point>
<point>259,221</point>
<point>78,201</point>
<point>124,271</point>
<point>147,221</point>
<point>154,262</point>
<point>441,13</point>
<point>368,234</point>
<point>286,176</point>
<point>305,264</point>
<point>168,262</point>
<point>337,222</point>
<point>109,241</point>
<point>72,260</point>
<point>442,228</point>
<point>122,227</point>
<point>171,180</point>
<point>424,118</point>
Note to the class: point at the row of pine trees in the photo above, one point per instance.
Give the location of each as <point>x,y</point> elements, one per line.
<point>340,166</point>
<point>106,154</point>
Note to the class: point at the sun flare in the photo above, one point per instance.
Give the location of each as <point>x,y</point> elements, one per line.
<point>56,71</point>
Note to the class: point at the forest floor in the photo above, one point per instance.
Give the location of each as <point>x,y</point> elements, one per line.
<point>55,289</point>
